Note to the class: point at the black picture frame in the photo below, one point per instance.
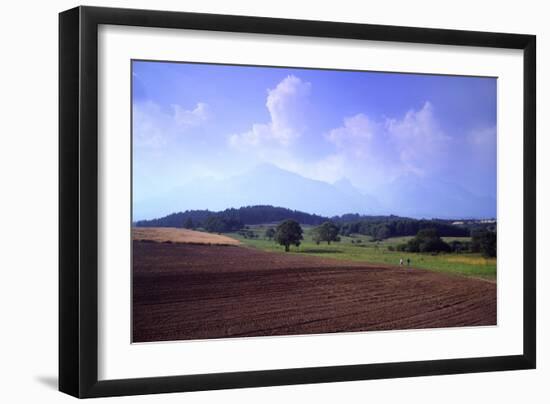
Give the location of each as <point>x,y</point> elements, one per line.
<point>78,201</point>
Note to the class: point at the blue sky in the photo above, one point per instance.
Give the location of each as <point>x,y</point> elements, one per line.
<point>193,121</point>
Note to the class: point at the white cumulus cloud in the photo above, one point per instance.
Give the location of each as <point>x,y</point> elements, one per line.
<point>286,105</point>
<point>389,147</point>
<point>483,136</point>
<point>191,117</point>
<point>418,138</point>
<point>357,134</point>
<point>153,127</point>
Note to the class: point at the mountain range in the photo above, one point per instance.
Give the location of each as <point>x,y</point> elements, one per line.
<point>267,184</point>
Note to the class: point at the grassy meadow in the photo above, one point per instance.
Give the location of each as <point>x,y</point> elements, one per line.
<point>362,248</point>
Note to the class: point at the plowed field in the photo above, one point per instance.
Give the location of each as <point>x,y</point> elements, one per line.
<point>184,291</point>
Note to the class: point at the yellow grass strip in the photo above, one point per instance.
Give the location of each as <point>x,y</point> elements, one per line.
<point>170,234</point>
<point>471,260</point>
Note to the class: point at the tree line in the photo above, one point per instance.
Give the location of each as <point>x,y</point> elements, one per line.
<point>393,226</point>
<point>428,240</point>
<point>230,219</point>
<point>377,227</point>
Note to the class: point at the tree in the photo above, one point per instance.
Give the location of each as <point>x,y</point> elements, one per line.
<point>382,232</point>
<point>316,235</point>
<point>270,233</point>
<point>189,224</point>
<point>328,232</point>
<point>485,242</point>
<point>289,233</point>
<point>217,224</point>
<point>460,246</point>
<point>427,240</point>
<point>213,224</point>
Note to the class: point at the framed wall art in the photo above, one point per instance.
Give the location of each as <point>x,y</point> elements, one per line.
<point>250,201</point>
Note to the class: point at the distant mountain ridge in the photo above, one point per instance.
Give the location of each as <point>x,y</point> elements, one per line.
<point>266,184</point>
<point>412,196</point>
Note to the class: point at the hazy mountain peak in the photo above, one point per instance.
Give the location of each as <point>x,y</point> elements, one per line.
<point>344,184</point>
<point>415,196</point>
<point>268,168</point>
<point>264,184</point>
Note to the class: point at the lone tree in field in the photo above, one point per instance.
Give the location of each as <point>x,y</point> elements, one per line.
<point>289,233</point>
<point>270,233</point>
<point>328,232</point>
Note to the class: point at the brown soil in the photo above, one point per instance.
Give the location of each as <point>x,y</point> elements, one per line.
<point>183,292</point>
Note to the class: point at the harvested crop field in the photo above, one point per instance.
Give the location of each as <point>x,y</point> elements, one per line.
<point>183,291</point>
<point>174,235</point>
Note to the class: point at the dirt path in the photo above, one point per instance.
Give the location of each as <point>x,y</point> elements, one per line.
<point>198,292</point>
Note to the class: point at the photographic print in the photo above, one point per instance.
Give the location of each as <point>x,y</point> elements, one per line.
<point>272,201</point>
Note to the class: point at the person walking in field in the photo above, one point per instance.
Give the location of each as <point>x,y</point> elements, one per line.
<point>408,262</point>
<point>401,262</point>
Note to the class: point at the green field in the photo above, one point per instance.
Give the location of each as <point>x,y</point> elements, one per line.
<point>362,248</point>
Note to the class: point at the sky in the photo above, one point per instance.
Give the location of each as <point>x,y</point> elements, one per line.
<point>205,121</point>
